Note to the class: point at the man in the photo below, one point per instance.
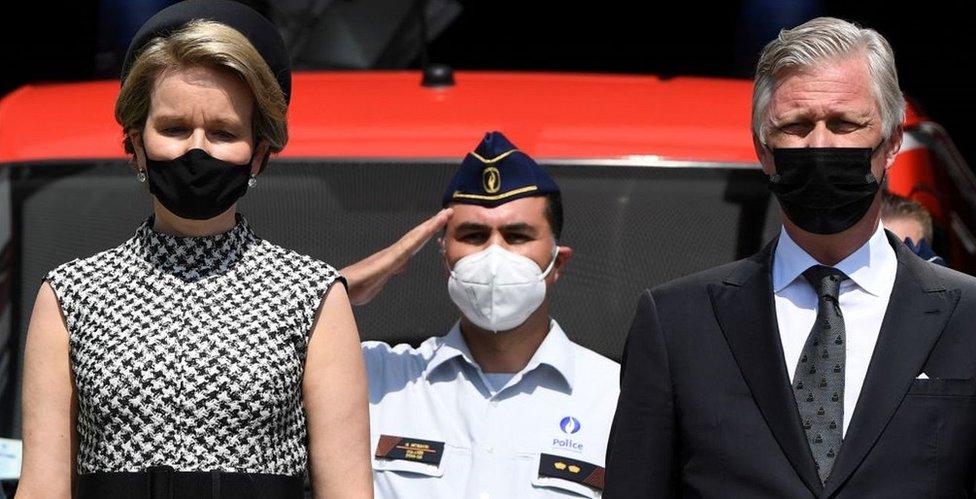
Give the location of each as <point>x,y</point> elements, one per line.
<point>504,405</point>
<point>910,222</point>
<point>833,363</point>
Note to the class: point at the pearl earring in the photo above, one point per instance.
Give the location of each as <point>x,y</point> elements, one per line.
<point>251,182</point>
<point>141,176</point>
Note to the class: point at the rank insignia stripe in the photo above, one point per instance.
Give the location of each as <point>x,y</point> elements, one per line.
<point>573,470</point>
<point>410,449</point>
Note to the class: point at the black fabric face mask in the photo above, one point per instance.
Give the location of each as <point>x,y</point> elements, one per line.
<point>824,190</point>
<point>196,185</point>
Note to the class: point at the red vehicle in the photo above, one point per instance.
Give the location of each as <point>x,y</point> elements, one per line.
<point>659,180</point>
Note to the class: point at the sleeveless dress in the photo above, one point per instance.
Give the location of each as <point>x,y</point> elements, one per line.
<point>189,352</point>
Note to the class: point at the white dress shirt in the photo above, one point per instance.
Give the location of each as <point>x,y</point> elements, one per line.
<point>561,404</point>
<point>863,302</point>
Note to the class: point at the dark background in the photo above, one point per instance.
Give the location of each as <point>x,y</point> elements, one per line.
<point>933,41</point>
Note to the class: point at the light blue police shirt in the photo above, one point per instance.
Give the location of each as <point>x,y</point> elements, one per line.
<point>443,431</point>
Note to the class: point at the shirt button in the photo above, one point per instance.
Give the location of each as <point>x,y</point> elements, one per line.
<point>489,449</point>
<point>494,403</point>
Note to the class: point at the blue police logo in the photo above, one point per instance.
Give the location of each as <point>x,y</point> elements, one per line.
<point>569,425</point>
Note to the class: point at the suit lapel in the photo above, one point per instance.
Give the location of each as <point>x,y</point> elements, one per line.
<point>744,307</point>
<point>917,313</point>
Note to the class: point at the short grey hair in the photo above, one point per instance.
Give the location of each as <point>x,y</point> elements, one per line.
<point>819,40</point>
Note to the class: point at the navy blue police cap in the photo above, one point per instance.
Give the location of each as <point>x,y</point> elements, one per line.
<point>258,30</point>
<point>496,173</point>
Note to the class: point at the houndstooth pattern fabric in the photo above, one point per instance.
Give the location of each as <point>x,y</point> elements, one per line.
<point>189,352</point>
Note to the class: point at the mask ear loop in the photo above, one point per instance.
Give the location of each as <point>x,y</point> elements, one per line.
<point>884,140</point>
<point>774,178</point>
<point>552,263</point>
<point>142,174</point>
<point>884,172</point>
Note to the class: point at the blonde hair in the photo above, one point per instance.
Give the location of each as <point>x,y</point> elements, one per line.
<point>208,44</point>
<point>895,207</point>
<point>820,40</point>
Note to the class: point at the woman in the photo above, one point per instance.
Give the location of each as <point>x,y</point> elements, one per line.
<point>196,359</point>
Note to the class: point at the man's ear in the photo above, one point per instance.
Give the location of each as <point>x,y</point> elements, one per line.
<point>260,158</point>
<point>764,155</point>
<point>563,255</point>
<point>894,145</point>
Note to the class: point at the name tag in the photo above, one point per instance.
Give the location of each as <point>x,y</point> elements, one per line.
<point>573,470</point>
<point>11,452</point>
<point>410,449</point>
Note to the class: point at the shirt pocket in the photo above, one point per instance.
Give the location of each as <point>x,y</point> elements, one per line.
<point>943,387</point>
<point>409,456</point>
<point>408,467</point>
<point>545,485</point>
<point>569,488</point>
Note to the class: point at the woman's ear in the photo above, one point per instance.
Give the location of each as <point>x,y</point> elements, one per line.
<point>260,158</point>
<point>138,149</point>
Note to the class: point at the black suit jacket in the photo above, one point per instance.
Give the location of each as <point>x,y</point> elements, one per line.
<point>706,408</point>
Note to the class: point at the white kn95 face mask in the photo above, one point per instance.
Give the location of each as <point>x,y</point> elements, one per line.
<point>497,289</point>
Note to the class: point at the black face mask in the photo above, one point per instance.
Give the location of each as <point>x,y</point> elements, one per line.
<point>196,185</point>
<point>824,190</point>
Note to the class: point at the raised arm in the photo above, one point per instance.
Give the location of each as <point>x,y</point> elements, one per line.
<point>367,277</point>
<point>336,404</point>
<point>50,406</point>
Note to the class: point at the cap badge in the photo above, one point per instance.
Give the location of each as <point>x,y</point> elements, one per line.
<point>492,179</point>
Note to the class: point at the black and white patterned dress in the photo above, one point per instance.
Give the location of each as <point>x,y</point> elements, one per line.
<point>190,352</point>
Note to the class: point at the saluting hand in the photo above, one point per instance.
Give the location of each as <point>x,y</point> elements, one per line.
<point>368,276</point>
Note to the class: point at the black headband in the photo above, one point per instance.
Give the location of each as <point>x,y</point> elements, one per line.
<point>258,30</point>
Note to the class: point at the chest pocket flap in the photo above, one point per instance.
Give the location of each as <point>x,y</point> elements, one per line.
<point>411,455</point>
<point>572,475</point>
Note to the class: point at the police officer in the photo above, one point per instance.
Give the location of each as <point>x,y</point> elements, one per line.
<point>504,405</point>
<point>910,222</point>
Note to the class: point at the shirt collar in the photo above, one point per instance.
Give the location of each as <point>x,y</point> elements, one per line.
<point>556,351</point>
<point>862,266</point>
<point>449,347</point>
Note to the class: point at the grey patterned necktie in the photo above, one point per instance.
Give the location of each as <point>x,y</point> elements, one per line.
<point>819,379</point>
